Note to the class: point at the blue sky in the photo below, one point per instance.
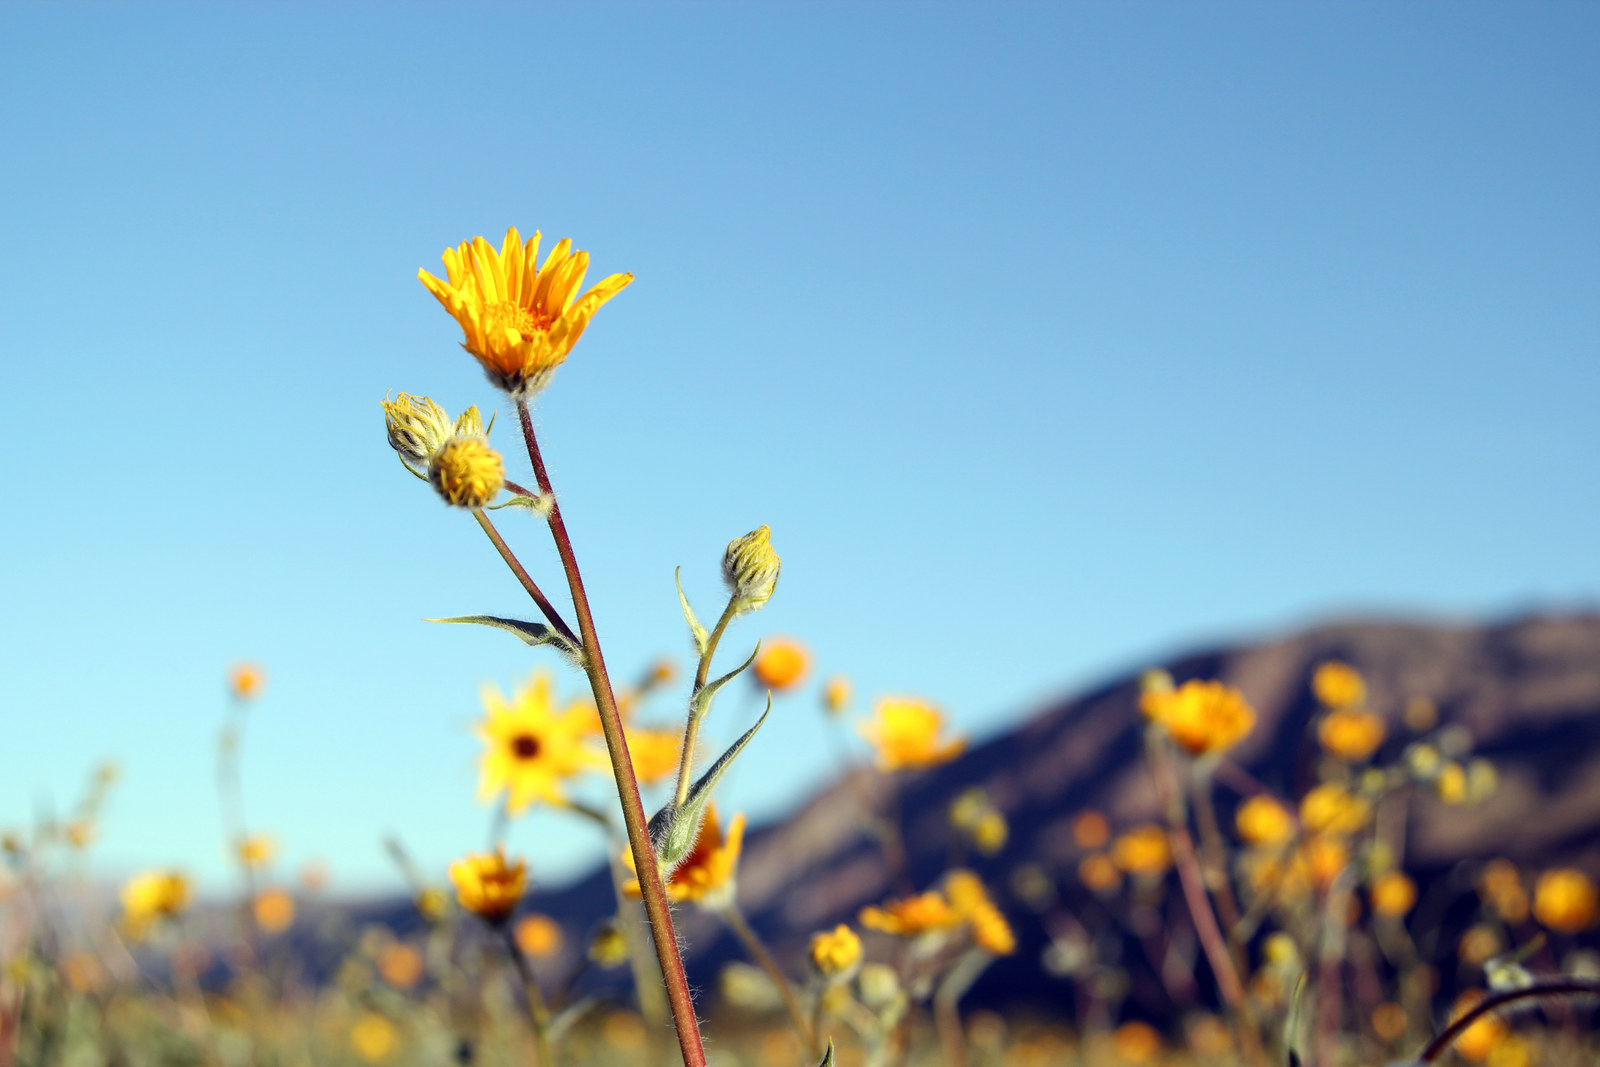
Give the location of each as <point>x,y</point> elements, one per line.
<point>1048,339</point>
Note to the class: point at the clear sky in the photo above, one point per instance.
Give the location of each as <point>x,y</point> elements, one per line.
<point>1048,339</point>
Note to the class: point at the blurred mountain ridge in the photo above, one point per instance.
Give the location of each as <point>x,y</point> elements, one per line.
<point>1524,693</point>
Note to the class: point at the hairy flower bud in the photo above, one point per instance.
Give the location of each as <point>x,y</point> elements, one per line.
<point>467,472</point>
<point>750,567</point>
<point>417,427</point>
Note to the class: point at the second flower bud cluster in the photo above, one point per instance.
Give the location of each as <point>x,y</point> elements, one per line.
<point>454,457</point>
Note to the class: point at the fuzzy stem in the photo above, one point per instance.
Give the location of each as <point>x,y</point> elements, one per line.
<point>656,905</point>
<point>1564,987</point>
<point>691,728</point>
<point>527,581</point>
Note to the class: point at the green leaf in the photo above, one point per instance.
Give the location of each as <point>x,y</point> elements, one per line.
<point>539,505</point>
<point>701,702</point>
<point>530,633</point>
<point>827,1057</point>
<point>674,827</point>
<point>696,631</point>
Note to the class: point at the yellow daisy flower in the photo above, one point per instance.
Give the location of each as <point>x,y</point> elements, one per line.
<point>906,731</point>
<point>520,319</point>
<point>487,885</point>
<point>530,749</point>
<point>706,874</point>
<point>1201,717</point>
<point>911,916</point>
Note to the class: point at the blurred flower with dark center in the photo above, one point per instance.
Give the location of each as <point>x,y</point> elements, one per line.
<point>530,749</point>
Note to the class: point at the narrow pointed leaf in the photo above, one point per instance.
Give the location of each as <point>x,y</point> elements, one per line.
<point>674,828</point>
<point>530,633</point>
<point>827,1057</point>
<point>702,700</point>
<point>696,631</point>
<point>539,505</point>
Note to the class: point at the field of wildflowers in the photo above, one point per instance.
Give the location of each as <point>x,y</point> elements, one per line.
<point>1301,908</point>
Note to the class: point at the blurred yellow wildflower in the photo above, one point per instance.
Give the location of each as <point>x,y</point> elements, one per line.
<point>1351,734</point>
<point>80,833</point>
<point>467,472</point>
<point>256,850</point>
<point>706,875</point>
<point>906,732</point>
<point>152,896</point>
<point>835,953</point>
<point>1393,894</point>
<point>1478,945</point>
<point>1488,1030</point>
<point>1325,858</point>
<point>911,916</point>
<point>433,904</point>
<point>971,901</point>
<point>1263,820</point>
<point>836,692</point>
<point>1090,830</point>
<point>751,567</point>
<point>1143,850</point>
<point>782,663</point>
<point>609,946</point>
<point>530,749</point>
<point>1099,873</point>
<point>373,1037</point>
<point>246,681</point>
<point>520,319</point>
<point>655,753</point>
<point>538,936</point>
<point>990,833</point>
<point>1512,1051</point>
<point>1564,900</point>
<point>487,885</point>
<point>1330,808</point>
<point>1135,1043</point>
<point>274,910</point>
<point>1389,1021</point>
<point>1200,717</point>
<point>1501,887</point>
<point>400,965</point>
<point>1338,685</point>
<point>1451,785</point>
<point>661,672</point>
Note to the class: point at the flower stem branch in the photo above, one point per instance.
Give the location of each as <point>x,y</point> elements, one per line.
<point>526,579</point>
<point>691,728</point>
<point>1546,990</point>
<point>538,1012</point>
<point>758,952</point>
<point>654,892</point>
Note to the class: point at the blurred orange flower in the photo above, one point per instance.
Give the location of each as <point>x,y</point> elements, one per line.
<point>906,732</point>
<point>1564,900</point>
<point>1200,717</point>
<point>782,663</point>
<point>487,885</point>
<point>1144,850</point>
<point>538,936</point>
<point>1263,820</point>
<point>246,681</point>
<point>1351,734</point>
<point>1338,685</point>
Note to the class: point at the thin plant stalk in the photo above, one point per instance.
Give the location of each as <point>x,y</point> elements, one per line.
<point>533,1000</point>
<point>691,728</point>
<point>656,905</point>
<point>525,578</point>
<point>1543,990</point>
<point>764,960</point>
<point>1192,882</point>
